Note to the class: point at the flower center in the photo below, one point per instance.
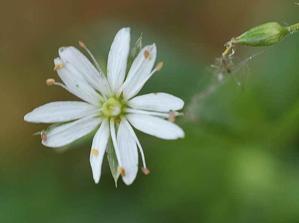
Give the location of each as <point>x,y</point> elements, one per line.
<point>112,108</point>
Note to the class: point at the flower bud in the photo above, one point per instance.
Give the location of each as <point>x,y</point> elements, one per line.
<point>263,35</point>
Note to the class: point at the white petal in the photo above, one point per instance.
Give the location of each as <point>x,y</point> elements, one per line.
<point>155,126</point>
<point>76,83</point>
<point>67,133</point>
<point>140,71</point>
<point>80,62</point>
<point>98,149</point>
<point>61,111</point>
<point>118,58</point>
<point>160,102</point>
<point>137,142</point>
<point>128,153</point>
<point>152,113</point>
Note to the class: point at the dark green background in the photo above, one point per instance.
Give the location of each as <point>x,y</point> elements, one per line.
<point>238,163</point>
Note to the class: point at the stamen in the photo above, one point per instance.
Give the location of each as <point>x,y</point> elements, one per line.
<point>159,66</point>
<point>172,116</point>
<point>83,46</point>
<point>145,171</point>
<point>58,66</point>
<point>121,171</point>
<point>43,136</point>
<point>146,54</point>
<point>94,152</point>
<point>50,82</point>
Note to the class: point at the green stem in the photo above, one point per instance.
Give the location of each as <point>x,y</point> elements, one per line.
<point>293,28</point>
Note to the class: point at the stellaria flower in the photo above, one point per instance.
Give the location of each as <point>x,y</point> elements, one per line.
<point>110,106</point>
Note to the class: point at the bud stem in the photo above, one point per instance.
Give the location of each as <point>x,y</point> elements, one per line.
<point>293,28</point>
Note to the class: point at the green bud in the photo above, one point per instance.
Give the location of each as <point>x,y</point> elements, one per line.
<point>136,48</point>
<point>263,35</point>
<point>113,163</point>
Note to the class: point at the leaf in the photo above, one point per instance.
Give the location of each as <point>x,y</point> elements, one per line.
<point>113,163</point>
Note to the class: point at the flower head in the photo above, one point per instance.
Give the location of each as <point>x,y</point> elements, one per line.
<point>110,106</point>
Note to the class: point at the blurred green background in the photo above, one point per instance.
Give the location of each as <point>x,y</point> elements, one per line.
<point>238,163</point>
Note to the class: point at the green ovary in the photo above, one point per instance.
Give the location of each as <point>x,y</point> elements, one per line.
<point>113,108</point>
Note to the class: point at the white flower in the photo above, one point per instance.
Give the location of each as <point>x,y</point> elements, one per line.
<point>110,105</point>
